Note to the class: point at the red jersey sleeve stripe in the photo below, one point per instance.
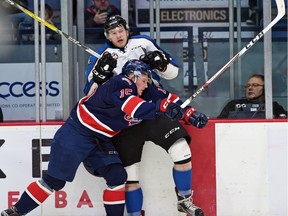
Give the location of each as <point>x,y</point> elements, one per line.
<point>131,105</point>
<point>91,122</point>
<point>173,97</point>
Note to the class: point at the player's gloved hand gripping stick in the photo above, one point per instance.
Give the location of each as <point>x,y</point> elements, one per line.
<point>174,111</point>
<point>156,59</point>
<point>104,67</point>
<point>170,109</point>
<point>194,117</point>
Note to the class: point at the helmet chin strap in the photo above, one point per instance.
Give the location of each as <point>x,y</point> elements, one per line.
<point>135,79</point>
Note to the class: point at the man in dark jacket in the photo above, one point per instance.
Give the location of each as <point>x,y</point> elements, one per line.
<point>255,99</point>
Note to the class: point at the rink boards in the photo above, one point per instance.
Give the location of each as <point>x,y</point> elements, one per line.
<point>239,168</point>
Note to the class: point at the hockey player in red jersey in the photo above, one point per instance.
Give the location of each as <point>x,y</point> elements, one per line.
<point>122,47</point>
<point>85,138</point>
<point>169,135</point>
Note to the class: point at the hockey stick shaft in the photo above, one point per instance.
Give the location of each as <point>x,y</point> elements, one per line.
<point>281,12</point>
<point>53,28</point>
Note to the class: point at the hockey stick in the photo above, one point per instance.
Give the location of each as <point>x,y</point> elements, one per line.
<point>281,12</point>
<point>53,28</point>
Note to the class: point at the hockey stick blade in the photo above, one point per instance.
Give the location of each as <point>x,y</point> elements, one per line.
<point>53,28</point>
<point>280,13</point>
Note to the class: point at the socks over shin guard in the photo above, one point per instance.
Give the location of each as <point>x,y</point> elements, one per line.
<point>134,201</point>
<point>34,195</point>
<point>114,200</point>
<point>183,181</point>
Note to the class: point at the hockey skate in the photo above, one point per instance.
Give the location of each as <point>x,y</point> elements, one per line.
<point>185,204</point>
<point>10,212</point>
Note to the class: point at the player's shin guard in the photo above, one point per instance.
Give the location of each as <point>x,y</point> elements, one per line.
<point>183,179</point>
<point>134,202</point>
<point>114,200</point>
<point>32,197</point>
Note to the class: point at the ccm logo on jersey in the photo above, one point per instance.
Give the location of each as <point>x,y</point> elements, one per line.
<point>171,131</point>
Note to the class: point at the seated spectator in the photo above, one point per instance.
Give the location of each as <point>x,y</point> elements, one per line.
<point>13,16</point>
<point>96,15</point>
<point>16,16</point>
<point>20,18</point>
<point>48,18</point>
<point>22,21</point>
<point>254,99</point>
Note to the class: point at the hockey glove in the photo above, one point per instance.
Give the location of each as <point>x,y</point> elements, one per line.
<point>195,118</point>
<point>172,110</point>
<point>156,59</point>
<point>104,67</point>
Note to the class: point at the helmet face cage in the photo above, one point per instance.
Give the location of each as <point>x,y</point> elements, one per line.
<point>137,68</point>
<point>113,22</point>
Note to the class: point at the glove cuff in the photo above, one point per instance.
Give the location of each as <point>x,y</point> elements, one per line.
<point>188,113</point>
<point>162,69</point>
<point>158,106</point>
<point>164,104</point>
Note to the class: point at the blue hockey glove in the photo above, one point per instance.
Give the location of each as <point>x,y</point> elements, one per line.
<point>156,59</point>
<point>195,118</point>
<point>172,110</point>
<point>104,67</point>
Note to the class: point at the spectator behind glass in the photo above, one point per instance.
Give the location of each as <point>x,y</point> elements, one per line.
<point>96,15</point>
<point>16,16</point>
<point>253,12</point>
<point>48,18</point>
<point>254,95</point>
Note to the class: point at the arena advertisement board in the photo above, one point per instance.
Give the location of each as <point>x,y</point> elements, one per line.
<point>187,12</point>
<point>191,3</point>
<point>252,169</point>
<point>18,88</point>
<point>235,163</point>
<point>24,158</point>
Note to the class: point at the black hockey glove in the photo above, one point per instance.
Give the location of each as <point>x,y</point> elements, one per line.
<point>156,59</point>
<point>103,69</point>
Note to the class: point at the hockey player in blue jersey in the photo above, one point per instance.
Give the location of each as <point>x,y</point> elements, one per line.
<point>122,47</point>
<point>86,137</point>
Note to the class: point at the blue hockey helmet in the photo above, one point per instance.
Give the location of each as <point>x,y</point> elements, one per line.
<point>136,67</point>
